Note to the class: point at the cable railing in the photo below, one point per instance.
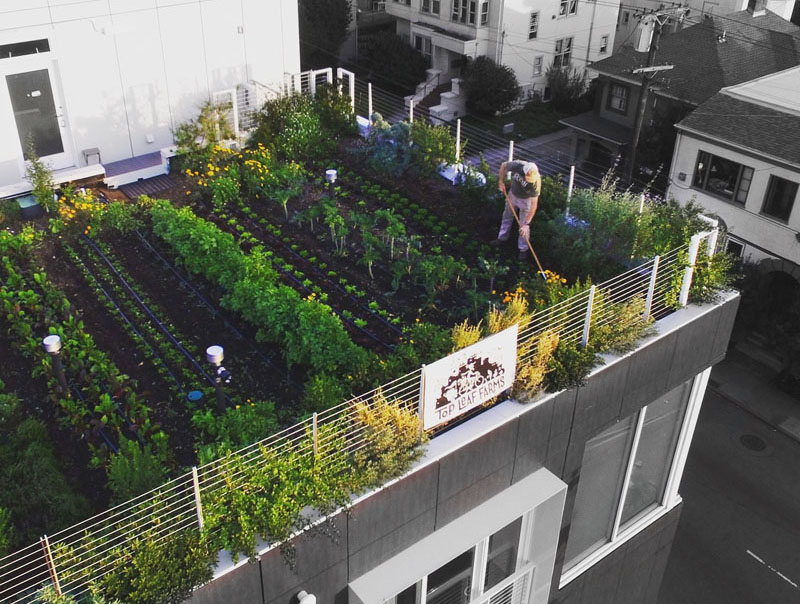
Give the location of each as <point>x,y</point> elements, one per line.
<point>75,557</point>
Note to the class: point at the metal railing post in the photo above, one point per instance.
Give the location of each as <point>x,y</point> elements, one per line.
<point>694,247</point>
<point>510,150</point>
<point>648,304</point>
<point>569,188</point>
<point>369,102</point>
<point>458,140</point>
<point>198,504</point>
<point>51,563</point>
<point>411,111</point>
<point>315,434</point>
<point>641,204</point>
<point>421,409</point>
<point>587,322</point>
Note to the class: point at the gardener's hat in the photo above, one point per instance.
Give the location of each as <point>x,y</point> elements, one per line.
<point>531,171</point>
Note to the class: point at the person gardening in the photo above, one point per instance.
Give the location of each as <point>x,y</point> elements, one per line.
<point>526,184</point>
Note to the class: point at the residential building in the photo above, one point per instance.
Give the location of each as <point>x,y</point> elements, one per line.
<point>525,35</point>
<point>702,59</point>
<point>738,156</point>
<point>631,13</point>
<point>94,83</point>
<point>573,497</point>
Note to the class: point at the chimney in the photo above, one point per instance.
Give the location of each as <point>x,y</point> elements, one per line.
<point>757,7</point>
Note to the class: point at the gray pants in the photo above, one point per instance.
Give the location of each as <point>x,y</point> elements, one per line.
<point>523,206</point>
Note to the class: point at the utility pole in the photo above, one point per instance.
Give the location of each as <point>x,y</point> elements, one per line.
<point>660,17</point>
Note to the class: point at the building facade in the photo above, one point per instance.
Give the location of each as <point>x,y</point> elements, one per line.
<point>571,498</point>
<point>697,62</point>
<point>93,82</point>
<point>739,158</point>
<point>525,35</point>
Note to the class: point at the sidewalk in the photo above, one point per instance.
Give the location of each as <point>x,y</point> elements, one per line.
<point>738,379</point>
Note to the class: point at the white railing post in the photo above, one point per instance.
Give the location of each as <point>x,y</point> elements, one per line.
<point>421,409</point>
<point>51,563</point>
<point>458,140</point>
<point>198,503</point>
<point>587,322</point>
<point>569,188</point>
<point>369,102</point>
<point>411,111</point>
<point>694,247</point>
<point>315,434</point>
<point>711,248</point>
<point>510,150</point>
<point>648,304</point>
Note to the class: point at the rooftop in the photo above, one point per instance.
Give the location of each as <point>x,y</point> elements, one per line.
<point>718,52</point>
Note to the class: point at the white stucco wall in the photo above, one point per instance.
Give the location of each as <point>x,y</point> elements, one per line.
<point>746,223</point>
<point>591,21</point>
<point>129,70</point>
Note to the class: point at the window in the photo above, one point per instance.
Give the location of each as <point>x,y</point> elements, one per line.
<point>485,12</point>
<point>406,2</point>
<point>567,8</point>
<point>537,65</point>
<point>19,49</point>
<point>618,98</point>
<point>563,52</point>
<point>780,197</point>
<point>624,474</point>
<point>475,572</point>
<point>533,28</point>
<point>431,6</point>
<point>722,177</point>
<point>603,44</point>
<point>424,46</point>
<point>464,11</point>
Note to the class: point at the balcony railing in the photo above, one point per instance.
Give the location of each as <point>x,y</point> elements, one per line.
<point>73,558</point>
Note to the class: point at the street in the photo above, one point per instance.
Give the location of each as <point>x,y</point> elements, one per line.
<point>738,540</point>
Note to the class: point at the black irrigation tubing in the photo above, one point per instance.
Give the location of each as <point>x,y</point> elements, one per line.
<point>122,314</point>
<point>100,430</point>
<point>122,414</point>
<point>350,322</point>
<point>216,313</point>
<point>152,315</point>
<point>319,273</point>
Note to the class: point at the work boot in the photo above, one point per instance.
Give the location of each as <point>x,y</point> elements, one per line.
<point>523,255</point>
<point>497,242</point>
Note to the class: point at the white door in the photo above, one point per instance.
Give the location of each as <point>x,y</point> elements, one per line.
<point>37,111</point>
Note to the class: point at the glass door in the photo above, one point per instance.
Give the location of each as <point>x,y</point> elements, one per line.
<point>38,115</point>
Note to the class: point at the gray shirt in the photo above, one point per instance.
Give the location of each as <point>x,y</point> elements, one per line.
<point>519,186</point>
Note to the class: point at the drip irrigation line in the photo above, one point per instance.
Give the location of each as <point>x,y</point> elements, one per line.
<point>341,316</point>
<point>130,324</point>
<point>322,275</point>
<point>152,315</point>
<point>215,312</point>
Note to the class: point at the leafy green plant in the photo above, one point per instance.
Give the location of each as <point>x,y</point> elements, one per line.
<point>489,87</point>
<point>237,427</point>
<point>41,179</point>
<point>392,439</point>
<point>137,469</point>
<point>569,366</point>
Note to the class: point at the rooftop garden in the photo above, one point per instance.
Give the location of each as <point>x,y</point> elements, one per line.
<point>326,294</point>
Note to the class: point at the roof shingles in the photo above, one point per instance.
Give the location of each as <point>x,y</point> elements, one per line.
<point>753,47</point>
<point>748,125</point>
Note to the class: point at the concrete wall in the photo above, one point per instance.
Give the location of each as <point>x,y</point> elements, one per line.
<point>744,222</point>
<point>550,434</point>
<point>131,70</point>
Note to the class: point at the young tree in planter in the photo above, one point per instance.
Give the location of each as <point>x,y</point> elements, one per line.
<point>490,87</point>
<point>41,179</point>
<point>323,30</point>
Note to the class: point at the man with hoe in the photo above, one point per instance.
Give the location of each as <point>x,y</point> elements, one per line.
<point>526,184</point>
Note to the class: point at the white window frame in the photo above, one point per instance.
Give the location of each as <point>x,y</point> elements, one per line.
<point>567,8</point>
<point>538,63</point>
<point>431,7</point>
<point>671,497</point>
<point>464,11</point>
<point>563,52</point>
<point>479,562</point>
<point>485,12</point>
<point>618,103</point>
<point>603,44</point>
<point>533,25</point>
